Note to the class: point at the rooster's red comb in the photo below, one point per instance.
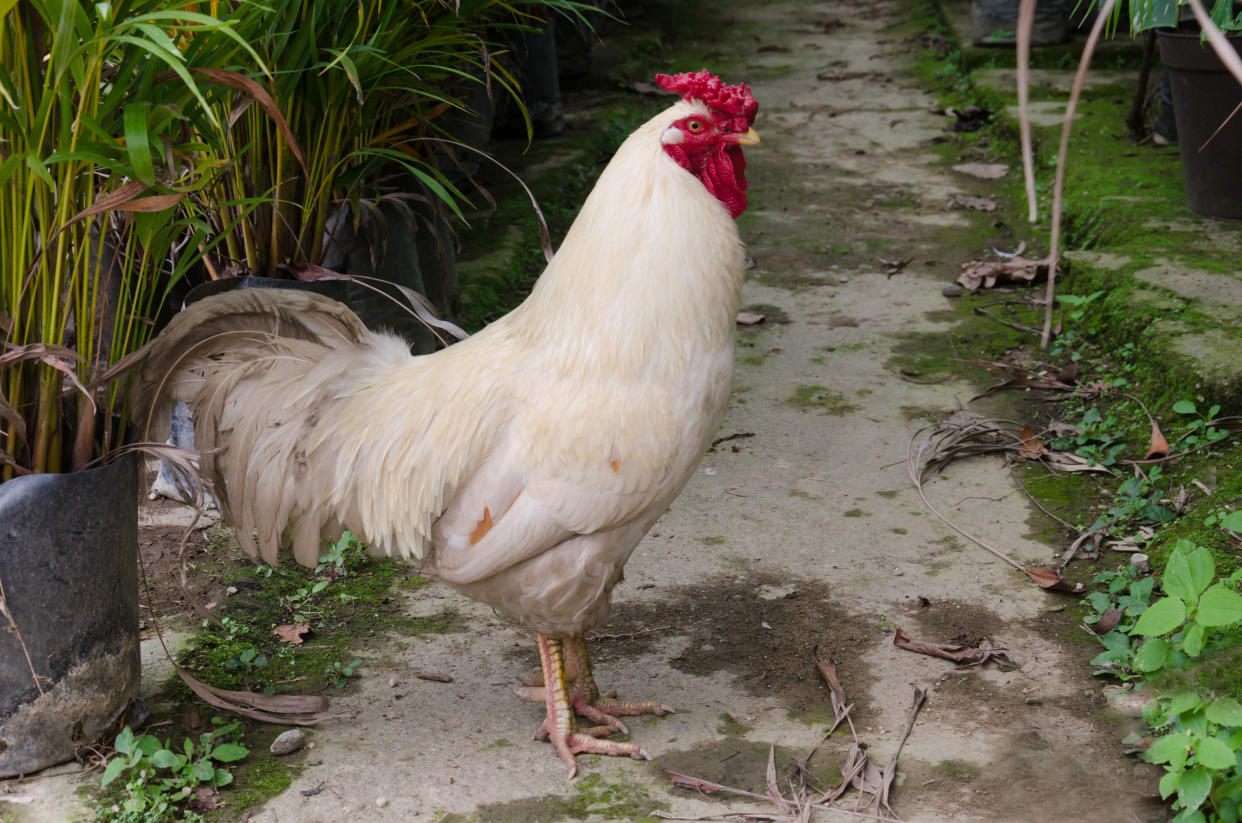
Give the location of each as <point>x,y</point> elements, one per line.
<point>735,102</point>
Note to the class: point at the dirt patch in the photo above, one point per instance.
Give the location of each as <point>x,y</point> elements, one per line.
<point>169,544</point>
<point>760,628</point>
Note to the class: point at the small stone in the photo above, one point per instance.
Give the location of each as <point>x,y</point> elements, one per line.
<point>843,280</point>
<point>951,290</point>
<point>288,742</point>
<point>898,573</point>
<point>381,802</point>
<point>392,682</point>
<point>231,590</point>
<point>1140,562</point>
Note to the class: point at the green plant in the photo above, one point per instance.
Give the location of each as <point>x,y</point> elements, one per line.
<point>1098,438</point>
<point>1129,594</point>
<point>1199,431</point>
<point>1137,503</point>
<point>1194,610</point>
<point>340,674</point>
<point>97,214</point>
<point>160,781</point>
<point>1199,750</point>
<point>370,92</point>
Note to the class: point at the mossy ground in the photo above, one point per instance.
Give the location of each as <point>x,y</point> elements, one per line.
<point>1124,212</point>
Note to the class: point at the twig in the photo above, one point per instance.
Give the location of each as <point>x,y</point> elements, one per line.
<point>626,635</point>
<point>913,462</point>
<point>1058,186</point>
<point>890,770</point>
<point>4,609</point>
<point>1039,505</point>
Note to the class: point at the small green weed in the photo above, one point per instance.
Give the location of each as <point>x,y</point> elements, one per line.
<point>340,674</point>
<point>1193,612</point>
<point>159,781</point>
<point>1199,752</point>
<point>1200,431</point>
<point>1200,734</point>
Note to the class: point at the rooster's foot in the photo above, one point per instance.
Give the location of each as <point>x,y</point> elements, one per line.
<point>566,697</point>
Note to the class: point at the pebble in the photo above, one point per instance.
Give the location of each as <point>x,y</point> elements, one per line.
<point>951,290</point>
<point>381,802</point>
<point>1140,562</point>
<point>231,590</point>
<point>288,742</point>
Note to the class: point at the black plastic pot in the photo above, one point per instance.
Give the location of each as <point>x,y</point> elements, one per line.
<point>1204,94</point>
<point>995,22</point>
<point>68,563</point>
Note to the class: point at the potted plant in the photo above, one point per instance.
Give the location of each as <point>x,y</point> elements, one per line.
<point>97,218</point>
<point>1204,95</point>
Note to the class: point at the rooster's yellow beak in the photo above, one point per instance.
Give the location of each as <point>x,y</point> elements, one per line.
<point>750,138</point>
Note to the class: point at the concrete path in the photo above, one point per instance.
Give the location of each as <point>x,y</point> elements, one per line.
<point>800,531</point>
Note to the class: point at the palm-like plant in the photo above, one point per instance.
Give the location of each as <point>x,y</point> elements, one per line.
<point>365,89</point>
<point>96,162</point>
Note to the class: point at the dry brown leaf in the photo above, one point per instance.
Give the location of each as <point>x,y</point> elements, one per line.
<point>1069,462</point>
<point>1068,373</point>
<point>1052,580</point>
<point>1159,446</point>
<point>957,652</point>
<point>984,171</point>
<point>291,632</point>
<point>1031,447</point>
<point>433,677</point>
<point>1107,622</point>
<point>966,201</point>
<point>207,798</point>
<point>986,274</point>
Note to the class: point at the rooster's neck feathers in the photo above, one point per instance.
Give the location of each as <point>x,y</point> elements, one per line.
<point>652,256</point>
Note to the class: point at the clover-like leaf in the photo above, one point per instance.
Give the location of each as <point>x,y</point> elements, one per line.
<point>1194,788</point>
<point>228,752</point>
<point>1215,753</point>
<point>1152,655</point>
<point>1162,617</point>
<point>1225,711</point>
<point>1219,606</point>
<point>1171,748</point>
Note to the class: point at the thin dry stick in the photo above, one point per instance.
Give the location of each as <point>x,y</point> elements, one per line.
<point>913,463</point>
<point>4,609</point>
<point>1026,19</point>
<point>1062,154</point>
<point>1039,505</point>
<point>890,770</point>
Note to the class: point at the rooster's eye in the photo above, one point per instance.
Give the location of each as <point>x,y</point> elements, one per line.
<point>695,125</point>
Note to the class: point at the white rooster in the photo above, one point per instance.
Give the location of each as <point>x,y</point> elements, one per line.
<point>524,464</point>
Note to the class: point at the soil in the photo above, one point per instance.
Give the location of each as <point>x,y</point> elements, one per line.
<point>801,532</point>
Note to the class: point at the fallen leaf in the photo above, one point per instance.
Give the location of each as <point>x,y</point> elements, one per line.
<point>959,653</point>
<point>1068,373</point>
<point>966,201</point>
<point>291,632</point>
<point>1067,462</point>
<point>1107,622</point>
<point>750,318</point>
<point>988,273</point>
<point>1031,447</point>
<point>208,798</point>
<point>1159,446</point>
<point>828,668</point>
<point>1052,580</point>
<point>698,784</point>
<point>984,171</point>
<point>433,677</point>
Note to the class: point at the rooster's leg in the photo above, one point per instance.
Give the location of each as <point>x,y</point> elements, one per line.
<point>585,694</point>
<point>559,725</point>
